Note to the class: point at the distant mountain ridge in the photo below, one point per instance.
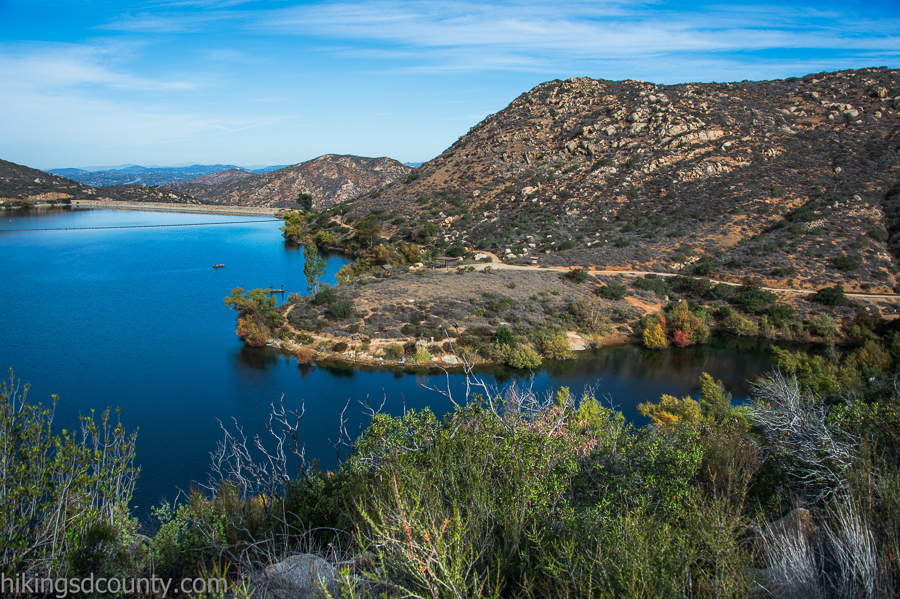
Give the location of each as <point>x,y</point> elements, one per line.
<point>329,179</point>
<point>141,175</point>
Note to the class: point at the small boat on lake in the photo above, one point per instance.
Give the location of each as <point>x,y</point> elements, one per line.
<point>218,265</point>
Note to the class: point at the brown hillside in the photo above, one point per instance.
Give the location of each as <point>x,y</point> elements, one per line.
<point>787,180</point>
<point>329,179</point>
<point>20,184</point>
<point>221,177</point>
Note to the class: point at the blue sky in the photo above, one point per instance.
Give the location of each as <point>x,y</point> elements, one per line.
<point>165,82</point>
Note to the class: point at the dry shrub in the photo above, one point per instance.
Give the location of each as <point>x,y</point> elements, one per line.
<point>305,354</point>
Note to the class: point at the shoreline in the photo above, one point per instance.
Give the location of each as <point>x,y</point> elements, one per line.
<point>168,207</point>
<point>362,358</point>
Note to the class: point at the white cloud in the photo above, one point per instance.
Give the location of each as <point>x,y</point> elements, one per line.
<point>464,35</point>
<point>59,66</point>
<point>173,22</point>
<point>84,95</point>
<point>538,32</point>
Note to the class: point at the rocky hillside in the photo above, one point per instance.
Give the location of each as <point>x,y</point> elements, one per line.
<point>329,179</point>
<point>794,181</point>
<point>23,185</point>
<point>221,177</point>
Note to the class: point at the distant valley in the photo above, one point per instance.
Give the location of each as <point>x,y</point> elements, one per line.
<point>140,175</point>
<point>328,179</point>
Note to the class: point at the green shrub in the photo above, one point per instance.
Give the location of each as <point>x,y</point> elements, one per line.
<point>456,251</point>
<point>847,263</point>
<point>704,269</point>
<point>422,354</point>
<point>503,336</point>
<point>740,325</point>
<point>612,292</point>
<point>832,296</point>
<point>577,275</point>
<point>567,245</point>
<point>824,326</point>
<point>325,297</point>
<point>486,242</point>
<point>722,291</point>
<point>64,498</point>
<point>521,356</point>
<point>784,272</point>
<point>429,514</point>
<point>274,319</point>
<point>754,299</point>
<point>340,310</point>
<point>878,234</point>
<point>658,286</point>
<point>779,314</point>
<point>556,346</point>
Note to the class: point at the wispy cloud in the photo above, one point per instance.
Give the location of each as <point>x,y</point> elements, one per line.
<point>59,66</point>
<point>219,75</point>
<point>171,22</point>
<point>537,32</point>
<point>202,3</point>
<point>460,35</point>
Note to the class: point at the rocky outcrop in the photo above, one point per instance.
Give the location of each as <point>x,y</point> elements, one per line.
<point>302,576</point>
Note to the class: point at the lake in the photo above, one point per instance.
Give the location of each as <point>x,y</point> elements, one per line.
<point>134,317</point>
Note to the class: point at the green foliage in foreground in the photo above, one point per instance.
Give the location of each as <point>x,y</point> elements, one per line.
<point>511,495</point>
<point>64,498</point>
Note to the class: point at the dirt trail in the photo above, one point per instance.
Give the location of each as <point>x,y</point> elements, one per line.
<point>497,264</point>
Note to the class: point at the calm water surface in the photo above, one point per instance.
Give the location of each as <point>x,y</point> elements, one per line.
<point>135,318</point>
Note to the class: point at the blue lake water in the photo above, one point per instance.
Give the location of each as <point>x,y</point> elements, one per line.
<point>134,317</point>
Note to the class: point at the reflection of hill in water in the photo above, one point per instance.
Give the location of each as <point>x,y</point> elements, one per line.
<point>255,358</point>
<point>735,361</point>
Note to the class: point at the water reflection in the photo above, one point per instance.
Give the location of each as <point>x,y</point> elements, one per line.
<point>257,358</point>
<point>306,370</point>
<point>338,369</point>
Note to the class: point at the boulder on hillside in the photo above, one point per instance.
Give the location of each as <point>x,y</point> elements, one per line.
<point>302,576</point>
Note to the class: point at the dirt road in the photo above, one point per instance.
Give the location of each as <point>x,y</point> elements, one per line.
<point>498,264</point>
